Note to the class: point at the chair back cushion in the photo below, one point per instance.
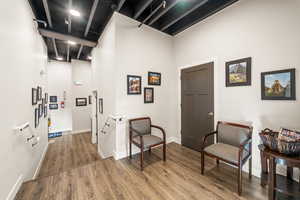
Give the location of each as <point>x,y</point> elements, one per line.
<point>233,134</point>
<point>142,125</point>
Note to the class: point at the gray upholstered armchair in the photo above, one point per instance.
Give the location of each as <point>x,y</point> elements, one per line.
<point>233,145</point>
<point>140,135</point>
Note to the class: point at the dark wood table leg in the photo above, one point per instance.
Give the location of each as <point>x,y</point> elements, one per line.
<point>289,173</point>
<point>264,170</point>
<point>272,178</point>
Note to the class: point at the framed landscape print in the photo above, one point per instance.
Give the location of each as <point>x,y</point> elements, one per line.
<point>238,72</point>
<point>101,106</point>
<point>134,84</point>
<point>45,111</point>
<point>46,98</point>
<point>36,117</point>
<point>53,99</point>
<point>148,95</point>
<point>154,78</point>
<point>53,106</point>
<point>278,85</point>
<point>34,96</point>
<point>39,91</point>
<point>81,102</point>
<point>41,107</point>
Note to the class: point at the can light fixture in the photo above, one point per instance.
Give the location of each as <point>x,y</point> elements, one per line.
<point>59,58</point>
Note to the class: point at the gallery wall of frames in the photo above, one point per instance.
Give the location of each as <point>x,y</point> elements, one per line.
<point>39,103</point>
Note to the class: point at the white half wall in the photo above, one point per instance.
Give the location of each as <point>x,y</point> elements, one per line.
<point>266,30</point>
<point>23,56</point>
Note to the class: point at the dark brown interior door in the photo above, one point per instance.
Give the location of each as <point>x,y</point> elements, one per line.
<point>197,105</point>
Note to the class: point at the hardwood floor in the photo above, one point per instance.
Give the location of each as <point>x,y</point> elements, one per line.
<point>177,178</point>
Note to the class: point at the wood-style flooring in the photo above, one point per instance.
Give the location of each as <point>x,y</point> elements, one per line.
<point>178,178</point>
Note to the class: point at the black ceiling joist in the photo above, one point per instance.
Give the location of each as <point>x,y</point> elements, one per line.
<point>164,11</point>
<point>69,29</point>
<point>141,6</point>
<point>121,3</point>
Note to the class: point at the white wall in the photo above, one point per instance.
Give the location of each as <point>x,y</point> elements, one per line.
<point>23,56</point>
<point>266,30</point>
<point>81,116</point>
<point>60,80</point>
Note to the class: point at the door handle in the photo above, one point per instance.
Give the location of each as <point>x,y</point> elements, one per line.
<point>210,114</point>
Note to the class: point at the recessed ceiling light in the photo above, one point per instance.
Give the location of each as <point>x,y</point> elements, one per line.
<point>75,13</point>
<point>71,42</point>
<point>89,57</point>
<point>59,58</point>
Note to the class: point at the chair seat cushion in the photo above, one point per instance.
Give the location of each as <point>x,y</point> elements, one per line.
<point>226,152</point>
<point>149,140</point>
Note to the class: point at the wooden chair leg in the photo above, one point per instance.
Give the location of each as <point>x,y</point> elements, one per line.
<point>250,168</point>
<point>202,162</point>
<point>130,150</point>
<point>149,150</point>
<point>164,151</point>
<point>218,162</point>
<point>142,158</point>
<point>240,176</point>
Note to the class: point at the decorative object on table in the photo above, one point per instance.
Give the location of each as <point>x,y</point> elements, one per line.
<point>238,72</point>
<point>278,85</point>
<point>148,95</point>
<point>53,99</point>
<point>53,106</point>
<point>39,92</point>
<point>90,99</point>
<point>271,140</point>
<point>134,84</point>
<point>34,96</point>
<point>46,98</point>
<point>81,102</point>
<point>154,78</point>
<point>101,105</point>
<point>36,117</point>
<point>45,111</point>
<point>41,107</point>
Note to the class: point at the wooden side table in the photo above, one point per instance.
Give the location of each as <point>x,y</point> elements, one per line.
<point>278,184</point>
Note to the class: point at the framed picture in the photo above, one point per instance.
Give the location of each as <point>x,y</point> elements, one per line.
<point>81,102</point>
<point>148,95</point>
<point>278,85</point>
<point>41,107</point>
<point>238,72</point>
<point>101,106</point>
<point>154,78</point>
<point>90,99</point>
<point>46,98</point>
<point>36,117</point>
<point>134,85</point>
<point>45,111</point>
<point>34,96</point>
<point>53,99</point>
<point>39,92</point>
<point>53,106</point>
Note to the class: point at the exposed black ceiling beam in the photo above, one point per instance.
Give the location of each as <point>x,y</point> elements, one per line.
<point>142,5</point>
<point>162,5</point>
<point>65,37</point>
<point>88,26</point>
<point>69,29</point>
<point>121,3</point>
<point>164,11</point>
<point>199,4</point>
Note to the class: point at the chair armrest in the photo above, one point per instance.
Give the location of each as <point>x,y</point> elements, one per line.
<point>243,145</point>
<point>136,131</point>
<point>208,135</point>
<point>162,131</point>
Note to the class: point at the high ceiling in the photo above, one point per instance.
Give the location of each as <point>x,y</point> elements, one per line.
<point>62,28</point>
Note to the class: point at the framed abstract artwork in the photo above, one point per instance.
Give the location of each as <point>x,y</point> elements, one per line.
<point>90,99</point>
<point>36,117</point>
<point>34,96</point>
<point>101,106</point>
<point>45,111</point>
<point>154,78</point>
<point>278,85</point>
<point>53,106</point>
<point>41,110</point>
<point>81,101</point>
<point>134,85</point>
<point>53,99</point>
<point>39,92</point>
<point>46,98</point>
<point>238,72</point>
<point>148,95</point>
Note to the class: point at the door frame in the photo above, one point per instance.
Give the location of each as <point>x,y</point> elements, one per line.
<point>95,95</point>
<point>180,94</point>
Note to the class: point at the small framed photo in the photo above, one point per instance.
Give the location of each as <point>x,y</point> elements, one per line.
<point>53,99</point>
<point>238,72</point>
<point>134,85</point>
<point>154,78</point>
<point>101,105</point>
<point>53,106</point>
<point>39,92</point>
<point>45,111</point>
<point>34,96</point>
<point>278,85</point>
<point>81,102</point>
<point>90,99</point>
<point>148,95</point>
<point>41,111</point>
<point>36,117</point>
<point>46,98</point>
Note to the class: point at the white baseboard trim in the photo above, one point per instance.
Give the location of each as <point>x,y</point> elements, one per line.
<point>174,139</point>
<point>81,131</point>
<point>15,188</point>
<point>40,162</point>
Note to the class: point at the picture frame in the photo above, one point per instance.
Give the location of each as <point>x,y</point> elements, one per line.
<point>81,102</point>
<point>41,110</point>
<point>53,99</point>
<point>39,92</point>
<point>154,78</point>
<point>148,95</point>
<point>134,85</point>
<point>278,85</point>
<point>101,105</point>
<point>238,72</point>
<point>90,99</point>
<point>34,96</point>
<point>45,111</point>
<point>46,98</point>
<point>53,106</point>
<point>36,117</point>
